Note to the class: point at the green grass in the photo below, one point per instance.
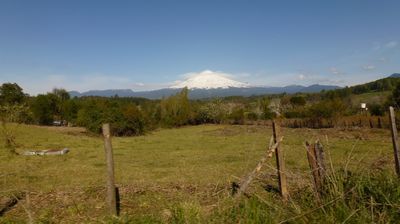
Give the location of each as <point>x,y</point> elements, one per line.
<point>370,98</point>
<point>184,175</point>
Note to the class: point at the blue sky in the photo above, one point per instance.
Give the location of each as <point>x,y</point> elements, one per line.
<point>83,45</point>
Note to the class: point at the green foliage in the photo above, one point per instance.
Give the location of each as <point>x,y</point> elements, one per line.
<point>11,94</point>
<point>17,113</point>
<point>351,198</point>
<point>69,110</point>
<point>252,116</point>
<point>327,109</point>
<point>90,116</point>
<point>212,112</point>
<point>43,109</point>
<point>237,115</point>
<point>376,109</point>
<point>396,95</point>
<point>386,84</point>
<point>134,116</point>
<point>125,118</point>
<point>175,110</point>
<point>134,121</point>
<point>186,213</point>
<point>297,101</point>
<point>264,105</point>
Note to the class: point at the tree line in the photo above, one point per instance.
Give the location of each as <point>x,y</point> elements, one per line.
<point>136,116</point>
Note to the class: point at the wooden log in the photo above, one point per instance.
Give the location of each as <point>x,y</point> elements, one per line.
<point>280,164</point>
<point>393,128</point>
<point>111,192</point>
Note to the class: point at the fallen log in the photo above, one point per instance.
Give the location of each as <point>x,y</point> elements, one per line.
<point>46,152</point>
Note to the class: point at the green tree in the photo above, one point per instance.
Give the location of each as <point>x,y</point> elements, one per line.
<point>237,115</point>
<point>11,93</point>
<point>396,95</point>
<point>376,110</point>
<point>327,109</point>
<point>297,101</point>
<point>134,120</point>
<point>266,112</point>
<point>176,110</point>
<point>42,109</point>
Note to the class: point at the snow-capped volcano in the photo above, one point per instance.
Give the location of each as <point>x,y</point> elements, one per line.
<point>209,80</point>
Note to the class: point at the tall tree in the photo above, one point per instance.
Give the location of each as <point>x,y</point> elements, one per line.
<point>11,93</point>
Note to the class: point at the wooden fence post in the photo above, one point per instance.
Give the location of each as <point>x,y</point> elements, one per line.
<point>111,191</point>
<point>319,152</point>
<point>312,161</point>
<point>316,160</point>
<point>395,142</point>
<point>280,164</point>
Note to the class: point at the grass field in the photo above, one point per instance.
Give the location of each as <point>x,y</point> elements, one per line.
<point>184,175</point>
<point>370,98</point>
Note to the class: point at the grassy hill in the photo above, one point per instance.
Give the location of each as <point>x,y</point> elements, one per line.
<point>184,175</point>
<point>370,98</point>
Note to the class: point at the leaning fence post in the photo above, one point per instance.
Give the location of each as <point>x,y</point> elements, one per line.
<point>111,191</point>
<point>280,165</point>
<point>393,129</point>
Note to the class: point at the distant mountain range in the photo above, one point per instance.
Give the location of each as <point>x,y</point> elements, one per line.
<point>207,84</point>
<point>199,93</point>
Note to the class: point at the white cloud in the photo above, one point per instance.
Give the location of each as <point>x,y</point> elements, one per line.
<point>383,59</point>
<point>380,46</point>
<point>391,44</point>
<point>368,67</point>
<point>301,76</point>
<point>335,71</point>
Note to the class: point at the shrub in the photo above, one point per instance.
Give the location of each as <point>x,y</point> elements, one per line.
<point>42,110</point>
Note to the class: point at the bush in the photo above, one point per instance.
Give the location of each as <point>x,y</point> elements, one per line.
<point>376,110</point>
<point>42,110</point>
<point>237,116</point>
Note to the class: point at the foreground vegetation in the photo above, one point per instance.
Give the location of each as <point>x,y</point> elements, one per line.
<point>184,175</point>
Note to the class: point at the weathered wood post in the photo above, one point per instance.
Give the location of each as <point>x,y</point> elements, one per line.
<point>312,161</point>
<point>280,164</point>
<point>395,142</point>
<point>111,191</point>
<point>319,152</point>
<point>316,160</point>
